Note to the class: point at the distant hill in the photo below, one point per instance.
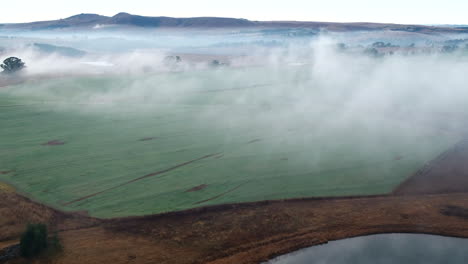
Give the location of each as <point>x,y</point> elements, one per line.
<point>125,19</point>
<point>63,51</point>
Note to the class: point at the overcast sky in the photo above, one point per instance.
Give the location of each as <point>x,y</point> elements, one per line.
<point>392,11</point>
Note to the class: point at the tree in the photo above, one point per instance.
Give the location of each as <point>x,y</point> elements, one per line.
<point>215,63</point>
<point>449,48</point>
<point>172,59</point>
<point>378,44</point>
<point>12,64</point>
<point>33,241</point>
<point>341,47</point>
<point>373,52</point>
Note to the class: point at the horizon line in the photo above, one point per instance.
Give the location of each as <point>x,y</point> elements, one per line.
<point>241,18</point>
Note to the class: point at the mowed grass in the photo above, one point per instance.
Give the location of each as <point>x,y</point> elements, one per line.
<point>136,145</point>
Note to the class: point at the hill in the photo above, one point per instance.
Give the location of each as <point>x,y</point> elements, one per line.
<point>125,19</point>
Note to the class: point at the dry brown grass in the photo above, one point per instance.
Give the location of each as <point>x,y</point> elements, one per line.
<point>5,188</point>
<point>244,233</point>
<point>252,232</point>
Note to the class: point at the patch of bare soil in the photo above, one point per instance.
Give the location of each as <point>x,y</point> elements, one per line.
<point>221,194</point>
<point>147,138</point>
<point>197,188</point>
<point>4,172</point>
<point>254,140</point>
<point>53,143</point>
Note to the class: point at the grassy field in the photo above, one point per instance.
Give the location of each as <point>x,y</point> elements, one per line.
<point>119,146</point>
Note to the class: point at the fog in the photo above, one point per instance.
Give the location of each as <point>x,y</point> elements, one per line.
<point>287,81</point>
<point>304,84</point>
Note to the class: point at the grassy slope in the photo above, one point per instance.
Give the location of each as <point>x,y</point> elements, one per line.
<point>264,155</point>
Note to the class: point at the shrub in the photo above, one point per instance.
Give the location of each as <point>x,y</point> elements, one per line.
<point>33,241</point>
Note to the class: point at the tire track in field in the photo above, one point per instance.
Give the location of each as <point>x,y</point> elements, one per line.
<point>140,178</point>
<point>222,194</point>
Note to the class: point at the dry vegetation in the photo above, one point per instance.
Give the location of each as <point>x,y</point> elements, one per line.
<point>244,233</point>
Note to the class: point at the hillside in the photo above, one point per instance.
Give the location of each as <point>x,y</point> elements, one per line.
<point>125,19</point>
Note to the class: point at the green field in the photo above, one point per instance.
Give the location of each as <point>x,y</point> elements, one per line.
<point>243,133</point>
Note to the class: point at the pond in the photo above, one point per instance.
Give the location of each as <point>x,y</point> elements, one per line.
<point>383,249</point>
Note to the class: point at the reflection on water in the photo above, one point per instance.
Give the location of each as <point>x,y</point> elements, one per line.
<point>383,249</point>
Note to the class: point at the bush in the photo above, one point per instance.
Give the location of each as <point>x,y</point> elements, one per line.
<point>33,241</point>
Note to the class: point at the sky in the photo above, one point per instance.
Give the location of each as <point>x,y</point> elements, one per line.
<point>395,11</point>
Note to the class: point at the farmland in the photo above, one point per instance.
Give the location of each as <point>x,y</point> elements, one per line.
<point>137,145</point>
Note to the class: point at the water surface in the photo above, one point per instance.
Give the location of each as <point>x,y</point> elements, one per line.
<point>383,249</point>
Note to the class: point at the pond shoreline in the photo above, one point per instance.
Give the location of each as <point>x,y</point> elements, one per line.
<point>242,233</point>
<point>382,248</point>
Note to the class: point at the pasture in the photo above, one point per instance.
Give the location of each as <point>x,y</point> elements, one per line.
<point>136,145</point>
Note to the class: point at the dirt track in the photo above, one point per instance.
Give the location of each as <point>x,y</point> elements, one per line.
<point>433,201</point>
